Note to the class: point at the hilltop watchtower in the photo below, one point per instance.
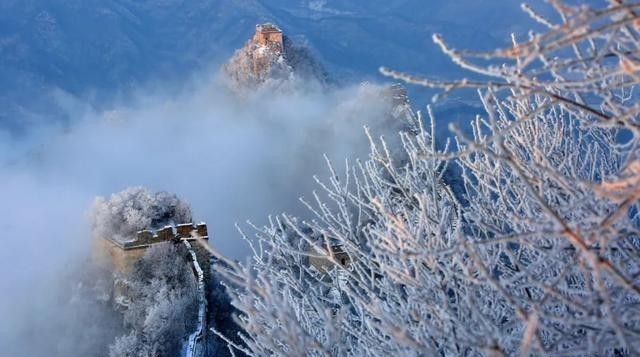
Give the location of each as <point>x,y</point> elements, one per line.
<point>268,34</point>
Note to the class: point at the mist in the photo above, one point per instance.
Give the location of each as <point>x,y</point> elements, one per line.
<point>233,157</point>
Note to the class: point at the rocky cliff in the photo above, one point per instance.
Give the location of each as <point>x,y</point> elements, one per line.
<point>271,58</point>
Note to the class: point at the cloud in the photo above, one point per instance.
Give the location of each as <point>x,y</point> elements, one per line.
<point>233,158</point>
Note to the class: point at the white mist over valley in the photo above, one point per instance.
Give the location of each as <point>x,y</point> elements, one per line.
<point>223,178</point>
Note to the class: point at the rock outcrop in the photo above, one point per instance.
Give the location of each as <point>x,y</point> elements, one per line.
<point>271,58</point>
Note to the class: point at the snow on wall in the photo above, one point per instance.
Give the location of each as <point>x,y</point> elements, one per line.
<point>196,337</point>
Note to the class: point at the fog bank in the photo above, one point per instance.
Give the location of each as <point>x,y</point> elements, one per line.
<point>234,158</point>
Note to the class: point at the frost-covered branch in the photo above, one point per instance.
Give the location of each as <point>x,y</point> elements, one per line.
<point>522,237</point>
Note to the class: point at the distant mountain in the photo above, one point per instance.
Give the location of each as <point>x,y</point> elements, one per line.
<point>52,52</point>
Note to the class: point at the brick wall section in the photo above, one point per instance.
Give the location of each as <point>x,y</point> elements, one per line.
<point>202,230</point>
<point>268,34</point>
<point>120,260</point>
<point>323,264</point>
<point>122,256</point>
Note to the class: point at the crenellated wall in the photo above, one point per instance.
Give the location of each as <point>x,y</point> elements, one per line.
<point>122,256</point>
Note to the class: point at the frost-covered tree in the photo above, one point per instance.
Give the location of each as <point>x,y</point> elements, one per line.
<point>134,209</point>
<point>163,304</point>
<point>538,253</point>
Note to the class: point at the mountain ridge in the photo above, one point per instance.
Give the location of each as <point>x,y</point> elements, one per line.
<point>95,49</point>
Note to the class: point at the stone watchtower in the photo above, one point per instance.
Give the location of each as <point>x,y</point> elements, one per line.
<point>269,35</point>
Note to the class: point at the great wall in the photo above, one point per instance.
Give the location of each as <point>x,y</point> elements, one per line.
<point>252,64</point>
<point>269,34</point>
<point>195,339</point>
<point>123,255</point>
